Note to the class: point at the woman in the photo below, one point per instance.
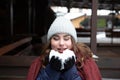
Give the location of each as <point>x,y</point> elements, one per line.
<point>62,57</point>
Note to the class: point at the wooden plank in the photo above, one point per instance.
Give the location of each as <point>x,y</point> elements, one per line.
<point>22,61</point>
<point>12,78</point>
<point>25,51</point>
<point>13,71</point>
<point>12,46</point>
<point>83,32</point>
<point>110,73</point>
<point>109,62</point>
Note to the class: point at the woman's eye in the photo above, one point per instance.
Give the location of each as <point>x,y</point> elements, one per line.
<point>56,38</point>
<point>66,38</point>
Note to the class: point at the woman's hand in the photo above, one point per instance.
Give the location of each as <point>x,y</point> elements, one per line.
<point>62,61</point>
<point>55,63</point>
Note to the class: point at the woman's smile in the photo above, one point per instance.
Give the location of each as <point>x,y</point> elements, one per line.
<point>60,50</point>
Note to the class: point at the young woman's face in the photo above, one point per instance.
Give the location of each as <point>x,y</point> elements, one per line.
<point>60,42</point>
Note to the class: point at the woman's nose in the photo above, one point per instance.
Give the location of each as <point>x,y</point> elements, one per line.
<point>61,42</point>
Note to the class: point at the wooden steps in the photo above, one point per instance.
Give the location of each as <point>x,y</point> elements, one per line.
<point>109,67</point>
<point>15,67</point>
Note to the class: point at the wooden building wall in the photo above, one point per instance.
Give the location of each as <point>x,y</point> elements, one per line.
<point>19,17</point>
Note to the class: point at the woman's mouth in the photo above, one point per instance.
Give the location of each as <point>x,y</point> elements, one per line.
<point>61,50</point>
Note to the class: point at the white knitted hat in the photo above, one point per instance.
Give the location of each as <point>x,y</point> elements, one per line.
<point>62,25</point>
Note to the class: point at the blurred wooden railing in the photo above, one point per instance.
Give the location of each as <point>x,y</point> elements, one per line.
<point>7,48</point>
<point>15,60</point>
<point>83,32</point>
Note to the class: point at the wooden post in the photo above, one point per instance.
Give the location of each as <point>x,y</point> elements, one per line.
<point>93,42</point>
<point>11,17</point>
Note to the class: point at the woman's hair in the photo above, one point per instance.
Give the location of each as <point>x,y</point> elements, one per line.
<point>85,50</point>
<point>81,51</point>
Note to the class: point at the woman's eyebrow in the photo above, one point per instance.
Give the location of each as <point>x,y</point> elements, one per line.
<point>66,35</point>
<point>55,35</point>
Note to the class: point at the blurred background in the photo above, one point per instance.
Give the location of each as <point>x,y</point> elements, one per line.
<point>24,25</point>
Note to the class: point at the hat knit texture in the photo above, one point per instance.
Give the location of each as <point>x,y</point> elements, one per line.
<point>62,25</point>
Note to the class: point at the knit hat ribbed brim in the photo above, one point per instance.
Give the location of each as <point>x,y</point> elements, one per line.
<point>62,25</point>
